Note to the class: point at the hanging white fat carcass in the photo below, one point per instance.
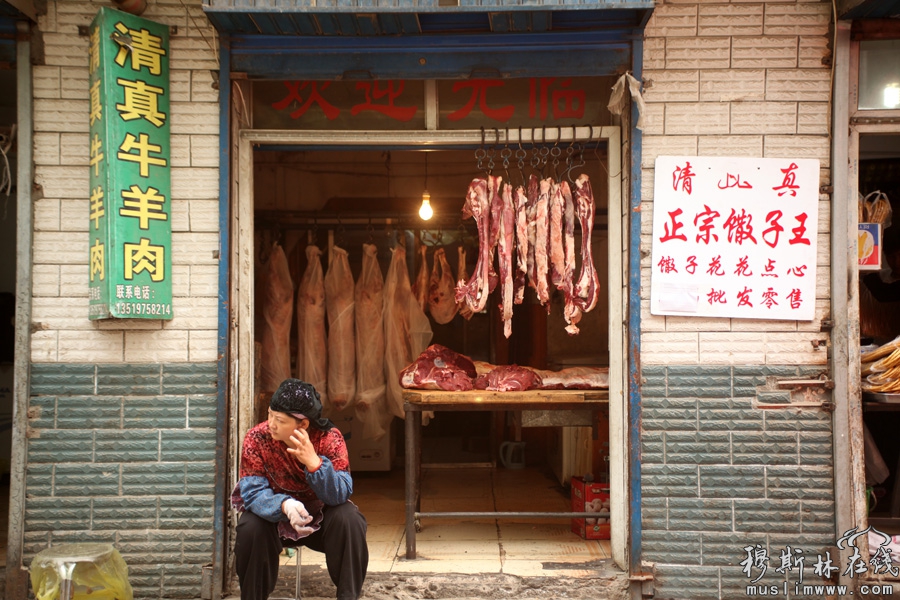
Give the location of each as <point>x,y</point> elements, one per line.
<point>370,385</point>
<point>312,343</point>
<point>277,309</point>
<point>441,292</point>
<point>420,287</point>
<point>462,276</point>
<point>339,305</point>
<point>407,331</point>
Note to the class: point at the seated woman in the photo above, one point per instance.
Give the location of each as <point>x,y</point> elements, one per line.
<point>294,490</point>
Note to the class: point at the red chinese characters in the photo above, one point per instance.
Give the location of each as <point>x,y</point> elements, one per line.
<point>479,91</point>
<point>741,233</point>
<point>789,184</point>
<point>564,102</point>
<point>377,91</point>
<point>683,177</point>
<point>313,92</point>
<point>676,225</point>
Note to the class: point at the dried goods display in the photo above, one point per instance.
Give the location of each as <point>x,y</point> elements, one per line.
<point>881,368</point>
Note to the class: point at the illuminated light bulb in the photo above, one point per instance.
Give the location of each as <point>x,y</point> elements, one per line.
<point>892,95</point>
<point>425,211</point>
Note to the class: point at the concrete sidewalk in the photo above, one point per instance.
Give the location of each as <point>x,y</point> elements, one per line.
<point>604,582</point>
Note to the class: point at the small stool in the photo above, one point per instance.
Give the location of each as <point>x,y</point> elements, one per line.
<point>297,595</point>
<point>82,570</point>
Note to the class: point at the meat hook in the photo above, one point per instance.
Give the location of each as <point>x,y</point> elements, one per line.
<point>480,153</point>
<point>535,158</point>
<point>520,157</point>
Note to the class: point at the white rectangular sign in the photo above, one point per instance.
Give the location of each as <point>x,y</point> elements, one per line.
<point>735,237</point>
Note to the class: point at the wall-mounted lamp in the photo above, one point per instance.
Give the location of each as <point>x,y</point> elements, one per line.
<point>425,211</point>
<point>892,95</point>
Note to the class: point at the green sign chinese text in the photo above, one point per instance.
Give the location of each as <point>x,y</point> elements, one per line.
<point>130,203</point>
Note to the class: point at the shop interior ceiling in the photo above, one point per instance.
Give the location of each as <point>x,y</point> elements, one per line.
<point>868,9</point>
<point>372,184</point>
<point>879,146</point>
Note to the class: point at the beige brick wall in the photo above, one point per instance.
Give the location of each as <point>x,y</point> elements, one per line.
<point>738,78</point>
<point>63,332</point>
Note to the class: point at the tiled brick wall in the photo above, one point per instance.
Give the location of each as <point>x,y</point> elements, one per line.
<point>719,475</point>
<point>122,415</point>
<point>125,454</point>
<point>63,332</point>
<point>745,79</point>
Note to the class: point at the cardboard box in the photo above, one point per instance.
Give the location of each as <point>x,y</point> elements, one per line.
<point>868,246</point>
<point>365,454</point>
<point>590,497</point>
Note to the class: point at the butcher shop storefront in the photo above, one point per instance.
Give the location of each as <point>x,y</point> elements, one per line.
<point>429,221</point>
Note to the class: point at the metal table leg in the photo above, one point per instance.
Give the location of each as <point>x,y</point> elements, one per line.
<point>413,419</point>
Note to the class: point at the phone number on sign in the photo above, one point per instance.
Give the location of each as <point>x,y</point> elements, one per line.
<point>143,308</point>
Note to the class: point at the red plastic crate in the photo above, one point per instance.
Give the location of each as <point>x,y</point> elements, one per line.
<point>590,497</point>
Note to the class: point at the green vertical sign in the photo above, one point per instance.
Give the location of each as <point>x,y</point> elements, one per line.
<point>130,196</point>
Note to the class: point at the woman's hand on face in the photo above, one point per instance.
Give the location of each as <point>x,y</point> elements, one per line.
<point>303,450</point>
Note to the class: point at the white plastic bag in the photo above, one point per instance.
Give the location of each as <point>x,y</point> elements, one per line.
<point>339,305</point>
<point>312,343</point>
<point>275,337</point>
<point>407,330</point>
<point>370,407</point>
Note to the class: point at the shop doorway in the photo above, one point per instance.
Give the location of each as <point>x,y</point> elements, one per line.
<point>879,299</point>
<point>8,120</point>
<point>343,189</point>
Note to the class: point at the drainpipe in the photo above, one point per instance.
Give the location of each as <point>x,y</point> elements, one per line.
<point>16,576</point>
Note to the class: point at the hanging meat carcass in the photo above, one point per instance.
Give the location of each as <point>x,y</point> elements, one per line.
<point>556,248</point>
<point>277,309</point>
<point>505,244</point>
<point>532,191</point>
<point>370,385</point>
<point>339,304</point>
<point>407,330</point>
<point>542,243</point>
<point>522,249</point>
<point>462,276</point>
<point>441,293</point>
<point>587,287</point>
<point>420,287</point>
<point>568,285</point>
<point>312,342</point>
<point>475,291</point>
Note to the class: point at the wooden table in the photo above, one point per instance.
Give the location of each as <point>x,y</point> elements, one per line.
<point>418,401</point>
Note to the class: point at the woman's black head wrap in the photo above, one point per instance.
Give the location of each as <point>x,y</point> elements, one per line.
<point>299,398</point>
